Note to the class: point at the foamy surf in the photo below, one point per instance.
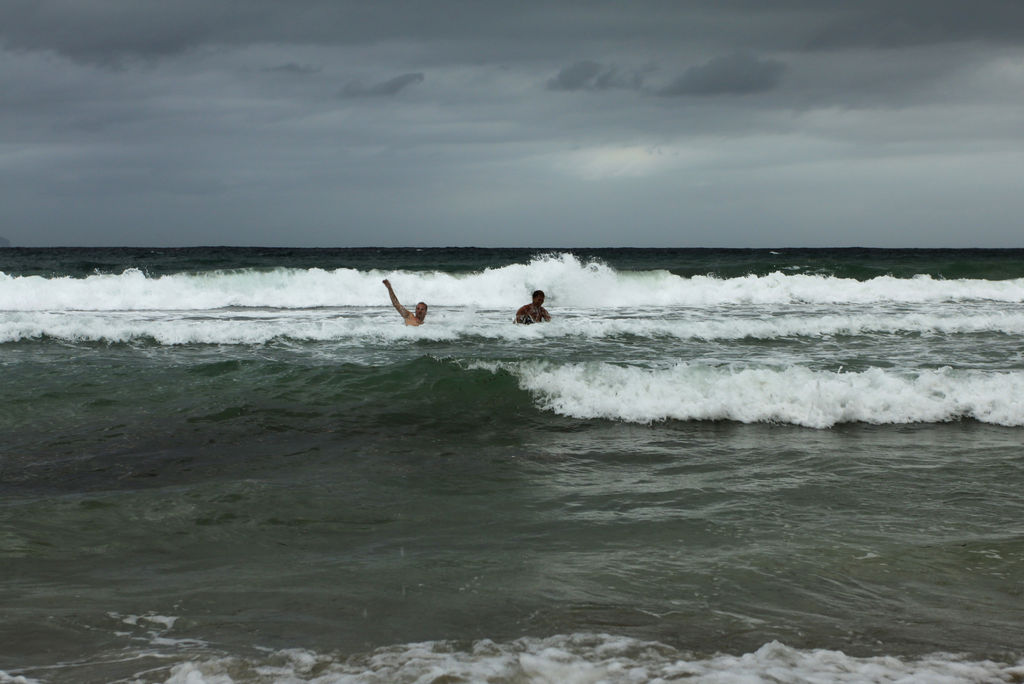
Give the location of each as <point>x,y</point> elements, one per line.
<point>795,394</point>
<point>586,659</point>
<point>568,282</point>
<point>562,659</point>
<point>377,325</point>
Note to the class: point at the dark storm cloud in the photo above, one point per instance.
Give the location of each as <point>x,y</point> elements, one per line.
<point>103,31</point>
<point>735,74</point>
<point>878,23</point>
<point>110,30</point>
<point>589,75</point>
<point>390,87</point>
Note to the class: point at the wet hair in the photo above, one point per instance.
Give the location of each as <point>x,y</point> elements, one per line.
<point>537,292</point>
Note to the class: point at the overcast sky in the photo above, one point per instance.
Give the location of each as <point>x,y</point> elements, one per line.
<point>730,123</point>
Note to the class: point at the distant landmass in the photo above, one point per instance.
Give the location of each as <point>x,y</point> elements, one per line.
<point>4,242</point>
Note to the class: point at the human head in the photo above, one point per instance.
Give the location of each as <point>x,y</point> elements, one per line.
<point>538,297</point>
<point>421,310</point>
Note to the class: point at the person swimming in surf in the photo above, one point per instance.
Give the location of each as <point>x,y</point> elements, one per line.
<point>533,312</point>
<point>410,318</point>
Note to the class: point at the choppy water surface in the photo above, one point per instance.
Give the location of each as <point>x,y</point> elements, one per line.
<point>238,465</point>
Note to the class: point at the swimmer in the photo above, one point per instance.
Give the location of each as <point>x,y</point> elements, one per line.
<point>533,312</point>
<point>410,318</point>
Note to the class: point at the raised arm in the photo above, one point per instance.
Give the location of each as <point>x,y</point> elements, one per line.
<point>394,301</point>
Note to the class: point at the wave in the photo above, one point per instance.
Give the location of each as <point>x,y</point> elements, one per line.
<point>572,658</point>
<point>793,395</point>
<point>382,326</point>
<point>450,393</point>
<point>567,281</point>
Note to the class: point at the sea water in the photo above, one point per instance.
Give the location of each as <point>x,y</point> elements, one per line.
<point>237,465</point>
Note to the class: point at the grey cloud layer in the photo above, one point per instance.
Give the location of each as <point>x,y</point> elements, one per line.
<point>732,122</point>
<point>392,86</point>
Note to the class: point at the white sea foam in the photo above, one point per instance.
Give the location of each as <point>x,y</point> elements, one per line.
<point>149,619</point>
<point>793,394</point>
<point>567,281</point>
<point>258,326</point>
<point>6,678</point>
<point>588,659</point>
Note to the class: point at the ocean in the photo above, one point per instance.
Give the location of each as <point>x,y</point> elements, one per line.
<point>238,465</point>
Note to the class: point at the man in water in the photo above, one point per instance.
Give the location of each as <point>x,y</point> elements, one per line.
<point>410,318</point>
<point>534,312</point>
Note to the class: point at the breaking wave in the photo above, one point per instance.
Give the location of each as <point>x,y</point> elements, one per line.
<point>794,394</point>
<point>567,281</point>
